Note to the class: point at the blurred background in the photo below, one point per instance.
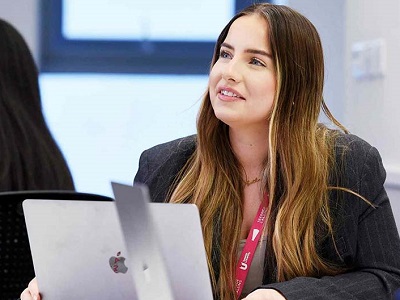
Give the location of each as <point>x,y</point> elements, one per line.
<point>120,76</point>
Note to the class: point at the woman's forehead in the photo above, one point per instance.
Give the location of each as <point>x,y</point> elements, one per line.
<point>249,31</point>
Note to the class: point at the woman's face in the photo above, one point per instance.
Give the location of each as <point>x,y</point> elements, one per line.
<point>242,81</point>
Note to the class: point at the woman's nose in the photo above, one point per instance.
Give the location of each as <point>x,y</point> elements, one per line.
<point>231,71</point>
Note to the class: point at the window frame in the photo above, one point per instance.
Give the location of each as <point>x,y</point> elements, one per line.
<point>58,54</point>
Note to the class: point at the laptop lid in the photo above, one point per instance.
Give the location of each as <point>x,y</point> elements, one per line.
<point>146,261</point>
<point>178,229</point>
<point>85,254</point>
<point>78,250</point>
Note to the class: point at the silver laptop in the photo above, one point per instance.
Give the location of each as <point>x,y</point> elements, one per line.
<point>91,250</point>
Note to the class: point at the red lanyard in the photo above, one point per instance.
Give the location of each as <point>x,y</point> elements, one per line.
<point>249,249</point>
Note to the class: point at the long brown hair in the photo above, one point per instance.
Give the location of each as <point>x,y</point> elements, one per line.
<point>296,174</point>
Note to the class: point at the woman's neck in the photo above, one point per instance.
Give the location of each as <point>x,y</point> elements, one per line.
<point>251,149</point>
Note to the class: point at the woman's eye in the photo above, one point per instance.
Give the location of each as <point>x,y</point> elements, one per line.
<point>256,62</point>
<point>224,54</point>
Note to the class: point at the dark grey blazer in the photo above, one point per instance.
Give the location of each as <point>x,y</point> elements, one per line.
<point>367,238</point>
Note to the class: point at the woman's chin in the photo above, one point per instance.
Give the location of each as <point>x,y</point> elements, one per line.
<point>228,119</point>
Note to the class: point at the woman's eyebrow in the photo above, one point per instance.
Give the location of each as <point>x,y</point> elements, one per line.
<point>253,51</point>
<point>260,52</point>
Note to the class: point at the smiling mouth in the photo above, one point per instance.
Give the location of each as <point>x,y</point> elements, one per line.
<point>230,94</point>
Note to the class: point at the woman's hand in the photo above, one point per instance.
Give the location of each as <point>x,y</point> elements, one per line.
<point>31,292</point>
<point>265,294</point>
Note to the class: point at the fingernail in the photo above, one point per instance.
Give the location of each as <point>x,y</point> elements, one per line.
<point>35,297</point>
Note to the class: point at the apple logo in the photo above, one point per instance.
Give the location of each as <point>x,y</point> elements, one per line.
<point>117,263</point>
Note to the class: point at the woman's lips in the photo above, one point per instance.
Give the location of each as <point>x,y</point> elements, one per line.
<point>228,94</point>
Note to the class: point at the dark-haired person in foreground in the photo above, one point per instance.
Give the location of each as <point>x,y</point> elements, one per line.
<point>30,157</point>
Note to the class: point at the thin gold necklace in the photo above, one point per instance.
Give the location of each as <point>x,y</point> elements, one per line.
<point>250,182</point>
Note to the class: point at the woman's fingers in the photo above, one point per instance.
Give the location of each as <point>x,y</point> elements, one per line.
<point>26,295</point>
<point>31,292</point>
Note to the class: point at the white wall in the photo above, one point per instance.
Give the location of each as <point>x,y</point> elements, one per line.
<point>23,15</point>
<point>372,107</point>
<point>329,19</point>
<point>104,121</point>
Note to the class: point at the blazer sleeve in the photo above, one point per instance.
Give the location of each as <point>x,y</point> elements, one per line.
<point>371,241</point>
<point>160,165</point>
<point>143,171</point>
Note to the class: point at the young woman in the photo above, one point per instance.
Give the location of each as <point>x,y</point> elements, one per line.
<point>329,232</point>
<point>30,157</point>
<point>290,209</point>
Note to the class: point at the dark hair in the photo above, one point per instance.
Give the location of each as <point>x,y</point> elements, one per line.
<point>29,156</point>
